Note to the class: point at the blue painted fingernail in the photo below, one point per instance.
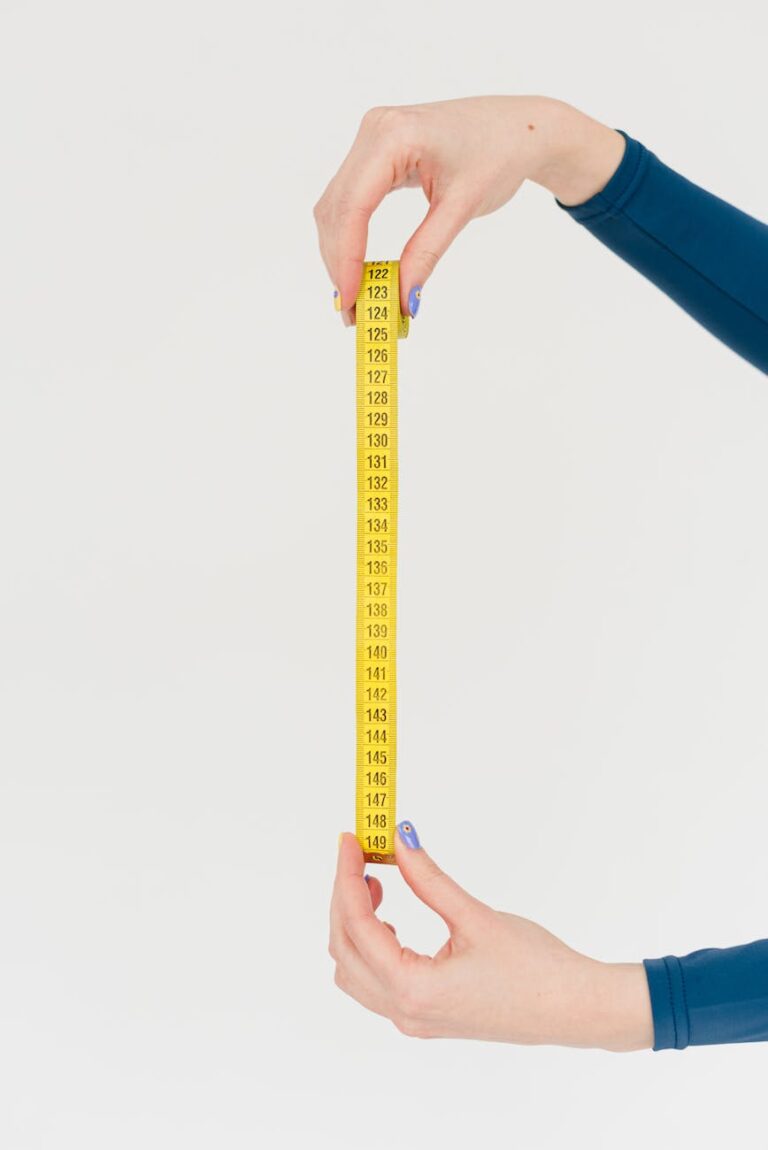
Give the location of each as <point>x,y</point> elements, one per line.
<point>407,832</point>
<point>367,877</point>
<point>414,300</point>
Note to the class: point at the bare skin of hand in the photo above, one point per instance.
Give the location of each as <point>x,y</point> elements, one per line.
<point>469,157</point>
<point>498,977</point>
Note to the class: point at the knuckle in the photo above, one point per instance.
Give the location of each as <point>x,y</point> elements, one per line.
<point>411,1000</point>
<point>410,1027</point>
<point>374,115</point>
<point>413,1005</point>
<point>384,117</point>
<point>343,982</point>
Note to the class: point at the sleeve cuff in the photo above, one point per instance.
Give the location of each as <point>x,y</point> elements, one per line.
<point>620,187</point>
<point>671,1026</point>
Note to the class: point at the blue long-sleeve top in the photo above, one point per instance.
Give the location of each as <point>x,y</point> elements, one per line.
<point>712,260</point>
<point>708,256</point>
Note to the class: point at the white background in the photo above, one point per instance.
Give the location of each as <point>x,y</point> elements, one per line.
<point>586,745</point>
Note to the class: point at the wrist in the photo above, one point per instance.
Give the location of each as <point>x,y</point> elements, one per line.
<point>576,156</point>
<point>619,1014</point>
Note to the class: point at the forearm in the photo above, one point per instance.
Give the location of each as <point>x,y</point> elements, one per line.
<point>705,254</point>
<point>620,1016</point>
<point>598,1005</point>
<point>710,996</point>
<point>705,998</point>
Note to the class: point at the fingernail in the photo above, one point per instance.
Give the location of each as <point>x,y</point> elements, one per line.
<point>407,832</point>
<point>367,877</point>
<point>341,836</point>
<point>414,300</point>
<point>337,299</point>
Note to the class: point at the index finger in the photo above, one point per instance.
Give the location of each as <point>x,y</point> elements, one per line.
<point>343,212</point>
<point>352,911</point>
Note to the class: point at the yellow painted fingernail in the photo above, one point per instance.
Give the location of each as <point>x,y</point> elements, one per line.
<point>337,299</point>
<point>341,836</point>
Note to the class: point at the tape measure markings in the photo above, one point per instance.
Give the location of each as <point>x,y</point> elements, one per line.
<point>379,326</point>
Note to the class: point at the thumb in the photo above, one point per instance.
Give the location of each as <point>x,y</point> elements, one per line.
<point>434,235</point>
<point>429,883</point>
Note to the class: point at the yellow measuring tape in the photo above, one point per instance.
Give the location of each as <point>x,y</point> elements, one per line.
<point>379,326</point>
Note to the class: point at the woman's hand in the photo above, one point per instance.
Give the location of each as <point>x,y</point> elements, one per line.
<point>497,977</point>
<point>469,156</point>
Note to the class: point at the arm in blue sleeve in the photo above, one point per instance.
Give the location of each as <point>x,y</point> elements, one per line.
<point>708,256</point>
<point>709,996</point>
<point>711,259</point>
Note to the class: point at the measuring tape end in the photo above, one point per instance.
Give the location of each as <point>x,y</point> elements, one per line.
<point>371,857</point>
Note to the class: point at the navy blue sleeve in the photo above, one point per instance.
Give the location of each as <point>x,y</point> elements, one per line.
<point>710,996</point>
<point>712,260</point>
<point>708,256</point>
